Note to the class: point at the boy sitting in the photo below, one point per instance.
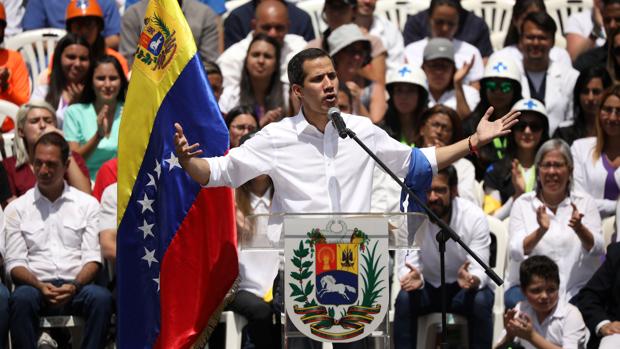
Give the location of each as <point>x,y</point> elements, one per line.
<point>543,320</point>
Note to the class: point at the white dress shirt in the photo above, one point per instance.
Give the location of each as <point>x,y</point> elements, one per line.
<point>392,39</point>
<point>463,52</point>
<point>581,23</point>
<point>107,219</point>
<point>564,327</point>
<point>560,242</point>
<point>231,61</point>
<point>314,171</point>
<point>590,175</point>
<point>470,224</point>
<point>448,98</point>
<point>258,269</point>
<point>53,240</point>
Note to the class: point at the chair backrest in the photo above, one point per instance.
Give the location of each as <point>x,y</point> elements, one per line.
<point>231,5</point>
<point>7,109</point>
<point>499,230</point>
<point>314,8</point>
<point>496,14</point>
<point>36,47</point>
<point>396,11</point>
<point>560,10</point>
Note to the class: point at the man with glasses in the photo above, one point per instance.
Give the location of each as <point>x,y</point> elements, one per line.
<point>466,281</point>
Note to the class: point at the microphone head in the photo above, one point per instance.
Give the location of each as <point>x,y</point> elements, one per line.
<point>332,111</point>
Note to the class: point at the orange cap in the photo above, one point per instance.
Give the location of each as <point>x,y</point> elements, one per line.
<point>2,13</point>
<point>83,8</point>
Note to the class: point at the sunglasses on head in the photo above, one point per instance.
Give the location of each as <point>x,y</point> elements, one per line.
<point>504,86</point>
<point>535,126</point>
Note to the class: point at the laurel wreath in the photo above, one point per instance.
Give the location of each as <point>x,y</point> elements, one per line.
<point>371,290</point>
<point>302,291</point>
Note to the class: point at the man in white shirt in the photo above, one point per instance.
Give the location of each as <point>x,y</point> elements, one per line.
<point>271,18</point>
<point>52,251</point>
<point>466,281</point>
<point>384,29</point>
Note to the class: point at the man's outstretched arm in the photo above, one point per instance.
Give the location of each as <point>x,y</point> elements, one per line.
<point>196,167</point>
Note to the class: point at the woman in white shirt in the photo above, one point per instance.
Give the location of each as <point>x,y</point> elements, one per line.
<point>554,221</point>
<point>597,159</point>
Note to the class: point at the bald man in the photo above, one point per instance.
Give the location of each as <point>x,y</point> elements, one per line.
<point>271,18</point>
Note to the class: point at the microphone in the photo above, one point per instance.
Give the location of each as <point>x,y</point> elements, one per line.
<point>333,114</point>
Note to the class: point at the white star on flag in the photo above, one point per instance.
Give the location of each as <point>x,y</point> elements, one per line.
<point>172,162</point>
<point>146,229</point>
<point>151,180</point>
<point>157,168</point>
<point>149,257</point>
<point>146,203</point>
<point>157,282</point>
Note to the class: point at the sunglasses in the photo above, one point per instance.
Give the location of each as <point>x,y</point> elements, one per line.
<point>504,86</point>
<point>535,126</point>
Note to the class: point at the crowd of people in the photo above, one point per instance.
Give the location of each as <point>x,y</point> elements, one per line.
<point>552,179</point>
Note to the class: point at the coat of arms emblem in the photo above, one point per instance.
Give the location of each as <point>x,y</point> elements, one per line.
<point>336,277</point>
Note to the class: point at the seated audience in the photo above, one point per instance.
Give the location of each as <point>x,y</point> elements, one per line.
<point>33,120</point>
<point>587,94</point>
<point>345,99</point>
<point>597,56</point>
<point>613,55</point>
<point>14,79</point>
<point>515,174</point>
<point>91,126</point>
<point>500,88</point>
<point>239,22</point>
<point>271,19</point>
<point>543,78</point>
<point>466,281</point>
<point>584,30</point>
<point>53,253</point>
<point>71,66</point>
<point>240,121</point>
<point>217,6</point>
<point>51,14</point>
<point>599,302</point>
<point>444,22</point>
<point>511,49</point>
<point>384,29</point>
<point>202,21</point>
<point>597,159</point>
<point>445,82</point>
<point>408,91</point>
<point>216,80</point>
<point>555,221</point>
<point>260,86</point>
<point>471,29</point>
<point>86,20</point>
<point>544,319</point>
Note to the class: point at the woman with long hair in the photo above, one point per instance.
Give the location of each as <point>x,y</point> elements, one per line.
<point>597,159</point>
<point>613,55</point>
<point>408,90</point>
<point>33,120</point>
<point>587,93</point>
<point>240,121</point>
<point>91,126</point>
<point>556,221</point>
<point>500,88</point>
<point>69,70</point>
<point>260,85</point>
<point>515,173</point>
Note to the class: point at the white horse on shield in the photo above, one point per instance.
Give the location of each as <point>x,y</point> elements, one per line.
<point>329,285</point>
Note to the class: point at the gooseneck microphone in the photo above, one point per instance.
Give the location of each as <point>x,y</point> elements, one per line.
<point>333,114</point>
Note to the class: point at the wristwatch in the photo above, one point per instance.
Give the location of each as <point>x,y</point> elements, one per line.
<point>78,286</point>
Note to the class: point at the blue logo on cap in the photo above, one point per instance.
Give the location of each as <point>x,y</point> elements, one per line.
<point>404,71</point>
<point>530,104</point>
<point>499,67</point>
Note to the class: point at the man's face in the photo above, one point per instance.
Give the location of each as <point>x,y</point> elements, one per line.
<point>439,196</point>
<point>272,21</point>
<point>535,43</point>
<point>320,87</point>
<point>366,7</point>
<point>48,167</point>
<point>611,17</point>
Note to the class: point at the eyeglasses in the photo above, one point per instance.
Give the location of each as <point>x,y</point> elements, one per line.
<point>610,110</point>
<point>552,164</point>
<point>505,86</point>
<point>249,128</point>
<point>535,126</point>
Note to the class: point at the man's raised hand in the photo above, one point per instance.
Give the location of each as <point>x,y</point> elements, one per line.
<point>183,150</point>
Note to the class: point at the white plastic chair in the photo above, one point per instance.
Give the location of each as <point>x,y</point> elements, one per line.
<point>231,5</point>
<point>396,11</point>
<point>496,14</point>
<point>36,47</point>
<point>609,227</point>
<point>234,327</point>
<point>314,8</point>
<point>8,109</point>
<point>500,230</point>
<point>560,10</point>
<point>75,324</point>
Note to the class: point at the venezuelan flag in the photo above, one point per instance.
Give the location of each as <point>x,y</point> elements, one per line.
<point>176,245</point>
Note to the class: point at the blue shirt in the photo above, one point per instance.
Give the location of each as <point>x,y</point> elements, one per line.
<point>51,14</point>
<point>216,5</point>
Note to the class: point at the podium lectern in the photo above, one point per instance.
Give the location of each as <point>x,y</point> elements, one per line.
<point>336,269</point>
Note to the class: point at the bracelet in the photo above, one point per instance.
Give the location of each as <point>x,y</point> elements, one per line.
<point>472,148</point>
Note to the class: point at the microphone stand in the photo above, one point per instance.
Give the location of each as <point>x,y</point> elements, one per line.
<point>445,233</point>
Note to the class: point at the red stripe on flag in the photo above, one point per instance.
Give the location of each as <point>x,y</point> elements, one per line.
<point>198,269</point>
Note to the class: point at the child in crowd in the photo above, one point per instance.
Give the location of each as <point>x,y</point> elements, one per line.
<point>544,319</point>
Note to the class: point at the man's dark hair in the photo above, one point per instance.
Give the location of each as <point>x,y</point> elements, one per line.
<point>541,20</point>
<point>296,73</point>
<point>450,173</point>
<point>53,138</point>
<point>540,266</point>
